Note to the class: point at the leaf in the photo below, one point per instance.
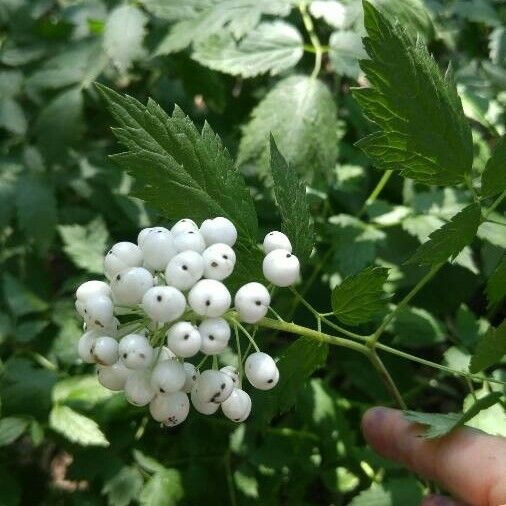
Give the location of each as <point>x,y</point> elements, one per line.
<point>75,427</point>
<point>123,36</point>
<point>270,47</point>
<point>85,245</point>
<point>332,11</point>
<point>290,194</point>
<point>493,179</point>
<point>164,488</point>
<point>20,300</point>
<point>346,49</point>
<point>494,233</point>
<point>36,210</point>
<point>12,116</point>
<point>147,463</point>
<point>301,115</point>
<point>84,389</point>
<point>124,487</point>
<point>11,428</point>
<point>415,327</point>
<point>207,17</point>
<point>360,297</point>
<point>439,425</point>
<point>408,93</point>
<point>450,239</point>
<point>7,196</point>
<point>496,284</point>
<point>395,492</point>
<point>490,349</point>
<point>491,420</point>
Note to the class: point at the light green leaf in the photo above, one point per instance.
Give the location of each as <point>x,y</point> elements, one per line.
<point>491,348</point>
<point>439,425</point>
<point>20,300</point>
<point>360,297</point>
<point>491,420</point>
<point>290,194</point>
<point>493,179</point>
<point>270,47</point>
<point>202,18</point>
<point>332,11</point>
<point>494,233</point>
<point>36,210</point>
<point>164,488</point>
<point>346,49</point>
<point>123,36</point>
<point>301,115</point>
<point>147,463</point>
<point>85,245</point>
<point>80,388</point>
<point>407,93</point>
<point>415,327</point>
<point>496,284</point>
<point>450,239</point>
<point>12,116</point>
<point>398,492</point>
<point>246,483</point>
<point>123,488</point>
<point>11,428</point>
<point>76,427</point>
<point>457,359</point>
<point>478,11</point>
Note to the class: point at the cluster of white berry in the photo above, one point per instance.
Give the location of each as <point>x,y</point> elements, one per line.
<point>168,291</point>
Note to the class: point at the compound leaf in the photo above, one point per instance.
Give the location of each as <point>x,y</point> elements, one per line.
<point>422,130</point>
<point>490,349</point>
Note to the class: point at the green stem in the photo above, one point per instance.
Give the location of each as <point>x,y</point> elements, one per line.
<point>309,26</point>
<point>247,334</point>
<point>403,303</point>
<point>376,191</point>
<point>494,205</point>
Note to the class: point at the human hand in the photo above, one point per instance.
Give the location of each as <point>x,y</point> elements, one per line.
<point>468,463</point>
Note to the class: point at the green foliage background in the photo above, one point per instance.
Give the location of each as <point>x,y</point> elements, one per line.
<point>247,68</point>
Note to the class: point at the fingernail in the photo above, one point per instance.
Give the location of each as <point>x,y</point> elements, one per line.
<point>438,500</point>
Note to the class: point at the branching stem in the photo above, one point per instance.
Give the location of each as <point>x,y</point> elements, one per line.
<point>376,191</point>
<point>313,37</point>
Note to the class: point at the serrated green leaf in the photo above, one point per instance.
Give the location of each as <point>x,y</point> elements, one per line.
<point>85,245</point>
<point>415,327</point>
<point>408,93</point>
<point>491,420</point>
<point>301,115</point>
<point>76,427</point>
<point>494,233</point>
<point>36,210</point>
<point>493,179</point>
<point>360,297</point>
<point>270,47</point>
<point>20,300</point>
<point>290,194</point>
<point>496,283</point>
<point>346,49</point>
<point>449,240</point>
<point>164,488</point>
<point>203,18</point>
<point>123,36</point>
<point>490,349</point>
<point>397,492</point>
<point>11,428</point>
<point>80,388</point>
<point>439,425</point>
<point>123,488</point>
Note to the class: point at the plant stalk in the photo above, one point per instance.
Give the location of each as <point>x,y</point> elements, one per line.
<point>313,37</point>
<point>376,191</point>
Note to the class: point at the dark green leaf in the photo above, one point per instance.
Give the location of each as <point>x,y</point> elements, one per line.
<point>290,194</point>
<point>28,330</point>
<point>300,112</point>
<point>496,284</point>
<point>415,327</point>
<point>20,299</point>
<point>360,297</point>
<point>440,425</point>
<point>493,179</point>
<point>408,92</point>
<point>164,488</point>
<point>490,349</point>
<point>448,241</point>
<point>124,487</point>
<point>11,428</point>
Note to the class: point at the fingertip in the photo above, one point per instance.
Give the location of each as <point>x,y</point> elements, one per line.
<point>375,423</point>
<point>439,500</point>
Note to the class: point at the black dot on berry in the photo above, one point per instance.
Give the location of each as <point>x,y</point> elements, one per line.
<point>270,381</point>
<point>225,257</point>
<point>162,390</point>
<point>98,323</point>
<point>191,232</point>
<point>86,311</point>
<point>258,302</point>
<point>118,277</point>
<point>142,355</point>
<point>184,267</point>
<point>214,264</point>
<point>236,419</point>
<point>159,298</point>
<point>288,255</point>
<point>125,355</point>
<point>211,337</point>
<point>208,302</point>
<point>186,336</point>
<point>158,231</point>
<point>222,386</point>
<point>194,377</point>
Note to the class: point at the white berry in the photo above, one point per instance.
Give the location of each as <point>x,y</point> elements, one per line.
<point>184,339</point>
<point>129,286</point>
<point>184,225</point>
<point>252,302</point>
<point>276,240</point>
<point>261,371</point>
<point>105,350</point>
<point>184,270</point>
<point>121,256</point>
<point>157,249</point>
<point>138,389</point>
<point>215,334</point>
<point>219,230</point>
<point>135,351</point>
<point>113,376</point>
<point>219,261</point>
<point>238,406</point>
<point>98,312</point>
<point>171,409</point>
<point>205,408</point>
<point>85,346</point>
<point>233,373</point>
<point>92,289</point>
<point>168,376</point>
<point>190,240</point>
<point>209,298</point>
<point>163,303</point>
<point>281,267</point>
<point>191,376</point>
<point>214,386</point>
